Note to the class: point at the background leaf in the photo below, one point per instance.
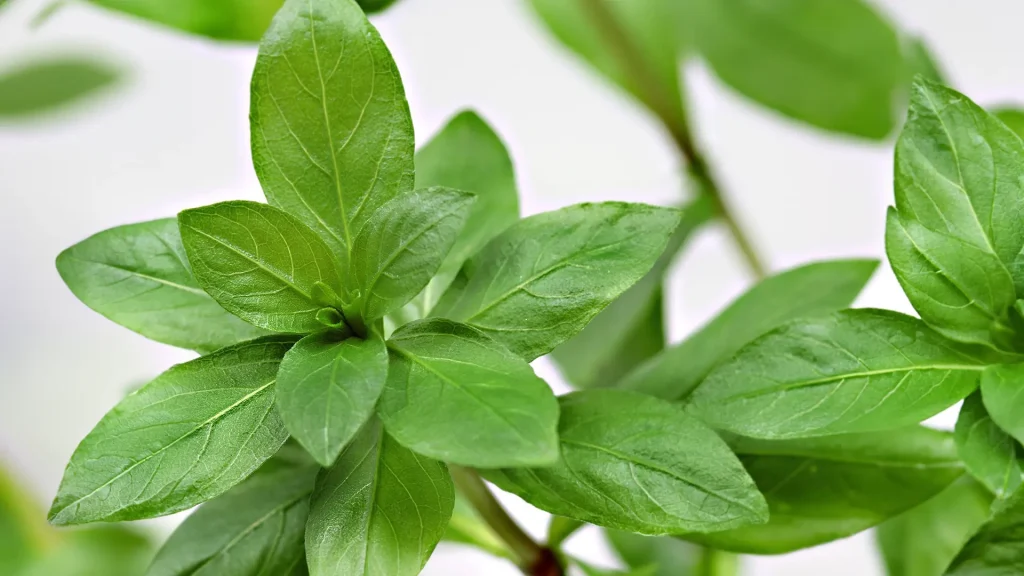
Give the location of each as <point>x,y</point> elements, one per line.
<point>24,536</point>
<point>851,371</point>
<point>823,489</point>
<point>997,547</point>
<point>380,509</point>
<point>47,84</point>
<point>142,459</point>
<point>327,390</point>
<point>661,555</point>
<point>466,527</point>
<point>332,139</point>
<point>637,463</point>
<point>456,395</point>
<point>217,19</point>
<point>989,454</point>
<point>138,276</point>
<point>543,279</point>
<point>95,551</point>
<point>809,290</point>
<point>259,263</point>
<point>920,60</point>
<point>836,65</point>
<point>1012,117</point>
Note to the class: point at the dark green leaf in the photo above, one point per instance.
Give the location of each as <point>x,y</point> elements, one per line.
<point>542,280</point>
<point>997,548</point>
<point>851,371</point>
<point>46,85</point>
<point>922,541</point>
<point>810,290</point>
<point>328,388</point>
<point>1001,390</point>
<point>836,65</point>
<point>404,244</point>
<point>920,60</point>
<point>468,155</point>
<point>822,489</point>
<point>256,528</point>
<point>989,454</point>
<point>332,138</point>
<point>631,329</point>
<point>662,555</point>
<point>955,245</point>
<point>636,44</point>
<point>1012,117</point>
<point>456,395</point>
<point>143,458</point>
<point>641,464</point>
<point>138,276</point>
<point>372,6</point>
<point>95,551</point>
<point>217,19</point>
<point>259,263</point>
<point>466,527</point>
<point>380,509</point>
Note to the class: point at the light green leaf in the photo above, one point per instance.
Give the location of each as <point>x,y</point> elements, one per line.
<point>851,371</point>
<point>636,44</point>
<point>1012,117</point>
<point>468,155</point>
<point>836,65</point>
<point>923,541</point>
<point>589,570</point>
<point>259,263</point>
<point>404,244</point>
<point>920,60</point>
<point>256,528</point>
<point>631,329</point>
<point>38,87</point>
<point>997,548</point>
<point>138,276</point>
<point>96,551</point>
<point>560,529</point>
<point>143,458</point>
<point>218,19</point>
<point>380,509</point>
<point>637,463</point>
<point>663,555</point>
<point>24,536</point>
<point>542,280</point>
<point>1000,389</point>
<point>989,454</point>
<point>332,138</point>
<point>956,178</point>
<point>809,290</point>
<point>327,389</point>
<point>456,395</point>
<point>466,527</point>
<point>823,489</point>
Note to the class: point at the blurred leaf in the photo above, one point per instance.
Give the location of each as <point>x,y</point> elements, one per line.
<point>922,541</point>
<point>1012,117</point>
<point>42,86</point>
<point>997,548</point>
<point>635,43</point>
<point>242,20</point>
<point>108,550</point>
<point>466,527</point>
<point>836,65</point>
<point>24,534</point>
<point>372,6</point>
<point>662,555</point>
<point>920,60</point>
<point>560,528</point>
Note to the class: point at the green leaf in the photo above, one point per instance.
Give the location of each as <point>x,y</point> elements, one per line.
<point>636,44</point>
<point>96,551</point>
<point>327,390</point>
<point>809,290</point>
<point>372,6</point>
<point>380,509</point>
<point>466,527</point>
<point>662,555</point>
<point>332,138</point>
<point>217,19</point>
<point>923,541</point>
<point>560,529</point>
<point>851,371</point>
<point>836,65</point>
<point>542,280</point>
<point>956,243</point>
<point>1000,389</point>
<point>42,86</point>
<point>989,454</point>
<point>138,276</point>
<point>23,534</point>
<point>589,570</point>
<point>997,548</point>
<point>259,263</point>
<point>468,155</point>
<point>456,395</point>
<point>256,528</point>
<point>631,329</point>
<point>143,458</point>
<point>1013,118</point>
<point>823,489</point>
<point>641,464</point>
<point>404,244</point>
<point>920,60</point>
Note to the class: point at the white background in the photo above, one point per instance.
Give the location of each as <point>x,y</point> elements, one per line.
<point>175,135</point>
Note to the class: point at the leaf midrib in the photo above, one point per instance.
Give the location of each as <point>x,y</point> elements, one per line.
<point>785,387</point>
<point>182,287</point>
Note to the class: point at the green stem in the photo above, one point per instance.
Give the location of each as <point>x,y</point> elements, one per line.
<point>532,558</point>
<point>673,116</point>
<point>717,563</point>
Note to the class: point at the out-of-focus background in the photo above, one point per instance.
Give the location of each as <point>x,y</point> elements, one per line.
<point>173,133</point>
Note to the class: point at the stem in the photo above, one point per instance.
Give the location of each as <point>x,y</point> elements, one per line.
<point>670,112</point>
<point>717,563</point>
<point>532,558</point>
